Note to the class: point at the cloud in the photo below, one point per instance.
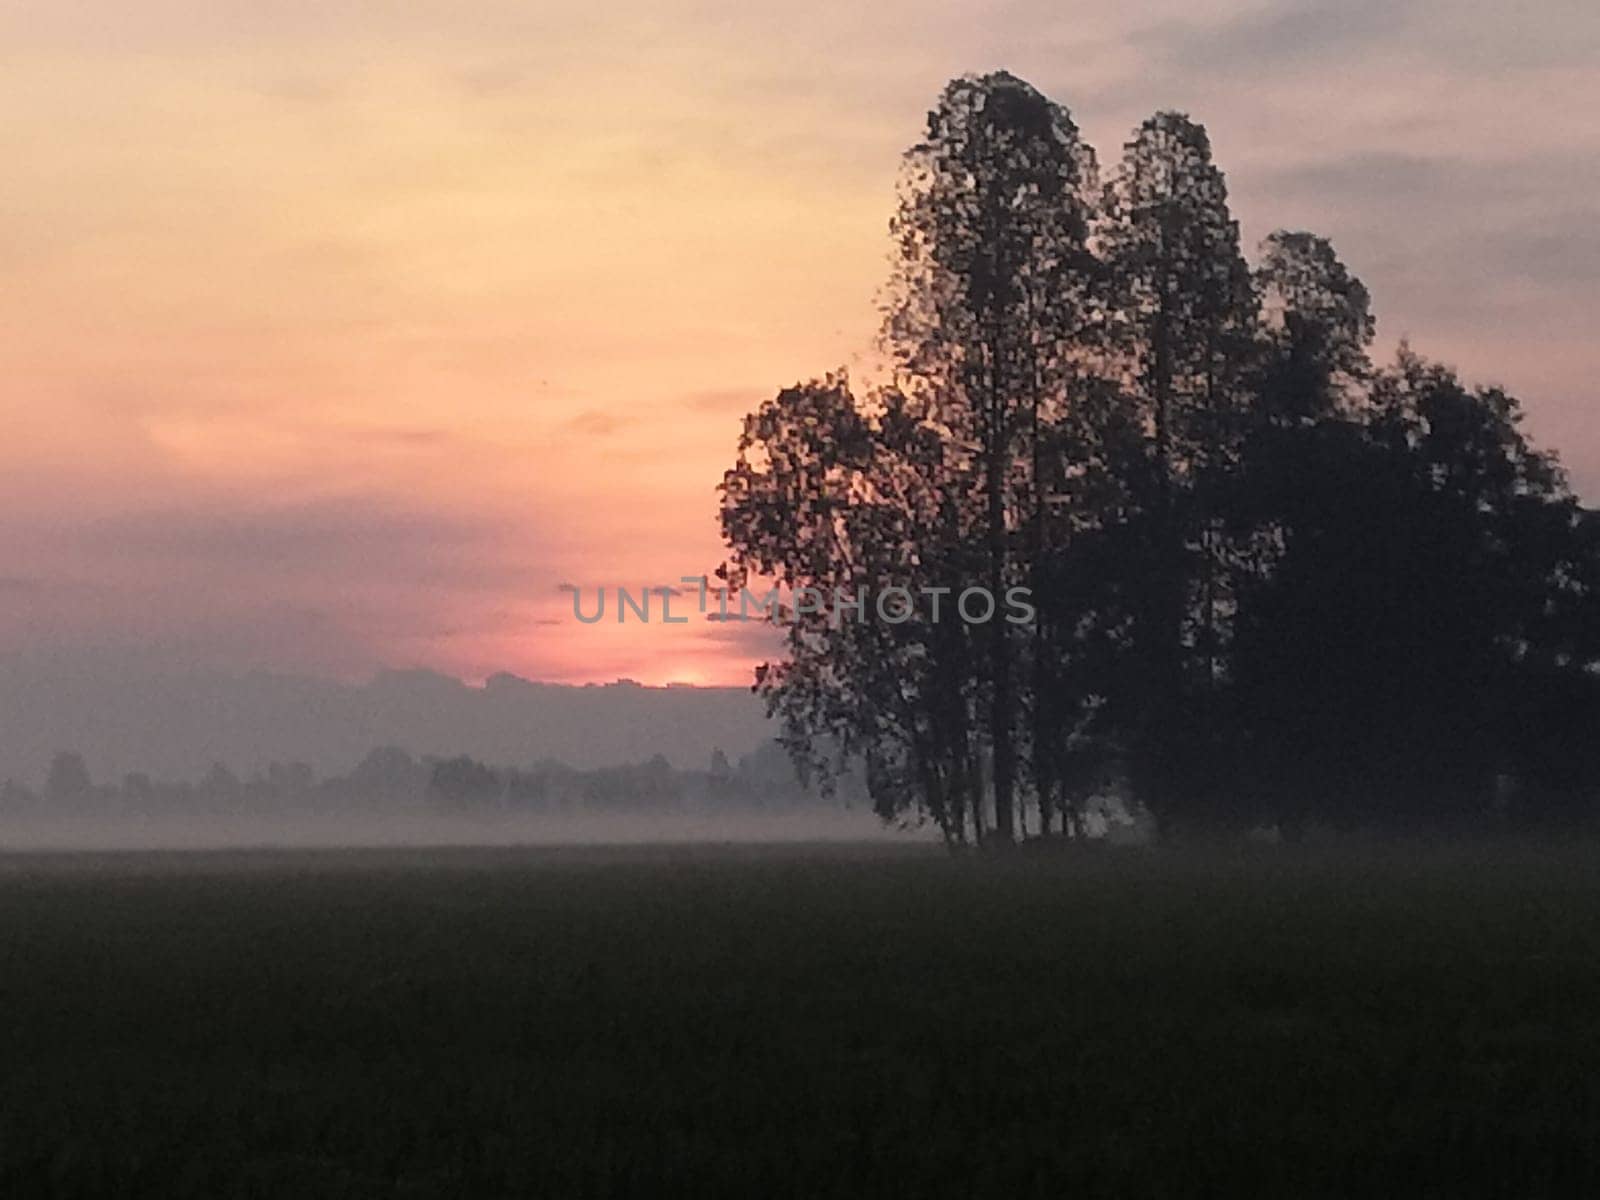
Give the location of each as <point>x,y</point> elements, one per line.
<point>494,79</point>
<point>1562,254</point>
<point>595,422</point>
<point>302,89</point>
<point>337,533</point>
<point>659,589</point>
<point>415,439</point>
<point>1446,221</point>
<point>733,401</point>
<point>265,251</point>
<point>1276,34</point>
<point>1267,39</point>
<point>1365,175</point>
<point>1366,179</point>
<point>751,640</point>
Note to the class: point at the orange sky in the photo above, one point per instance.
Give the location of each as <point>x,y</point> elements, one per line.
<point>341,334</point>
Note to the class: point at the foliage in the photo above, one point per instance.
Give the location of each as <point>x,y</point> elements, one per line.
<point>1271,583</point>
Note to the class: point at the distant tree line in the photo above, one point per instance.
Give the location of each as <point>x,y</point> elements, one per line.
<point>1276,585</point>
<point>391,780</point>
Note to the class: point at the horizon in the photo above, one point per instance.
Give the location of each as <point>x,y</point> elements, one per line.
<point>127,716</point>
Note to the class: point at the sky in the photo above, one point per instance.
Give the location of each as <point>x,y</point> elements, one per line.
<point>344,335</point>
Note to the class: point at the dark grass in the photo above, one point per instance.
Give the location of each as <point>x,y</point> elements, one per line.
<point>801,1022</point>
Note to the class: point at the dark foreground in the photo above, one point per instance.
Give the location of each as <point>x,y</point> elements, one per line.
<point>800,1022</point>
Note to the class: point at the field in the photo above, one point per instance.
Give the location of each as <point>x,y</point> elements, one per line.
<point>802,1021</point>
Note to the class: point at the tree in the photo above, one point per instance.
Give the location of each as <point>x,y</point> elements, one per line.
<point>138,792</point>
<point>1317,326</point>
<point>1270,582</point>
<point>388,772</point>
<point>16,800</point>
<point>220,786</point>
<point>463,782</point>
<point>984,319</point>
<point>937,481</point>
<point>830,502</point>
<point>1435,584</point>
<point>1302,508</point>
<point>68,782</point>
<point>1182,321</point>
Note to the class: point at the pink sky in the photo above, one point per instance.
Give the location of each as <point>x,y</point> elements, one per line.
<point>339,334</point>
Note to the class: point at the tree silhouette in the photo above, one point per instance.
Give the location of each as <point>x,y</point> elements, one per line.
<point>68,782</point>
<point>829,501</point>
<point>1271,583</point>
<point>1183,318</point>
<point>992,290</point>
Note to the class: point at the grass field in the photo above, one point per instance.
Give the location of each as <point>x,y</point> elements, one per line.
<point>801,1021</point>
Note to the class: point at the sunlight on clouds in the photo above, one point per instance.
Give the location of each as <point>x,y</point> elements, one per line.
<point>527,267</point>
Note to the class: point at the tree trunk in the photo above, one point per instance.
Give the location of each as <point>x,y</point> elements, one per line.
<point>1003,703</point>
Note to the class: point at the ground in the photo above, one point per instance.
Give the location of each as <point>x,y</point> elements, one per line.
<point>801,1021</point>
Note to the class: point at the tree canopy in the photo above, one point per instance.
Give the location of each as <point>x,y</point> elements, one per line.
<point>1269,582</point>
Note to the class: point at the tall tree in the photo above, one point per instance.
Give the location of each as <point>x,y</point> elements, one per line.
<point>988,300</point>
<point>1182,318</point>
<point>1300,506</point>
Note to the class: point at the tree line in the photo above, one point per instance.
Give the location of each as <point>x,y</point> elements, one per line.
<point>390,780</point>
<point>1275,583</point>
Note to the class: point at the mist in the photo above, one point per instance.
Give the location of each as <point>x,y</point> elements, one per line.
<point>163,717</point>
<point>344,831</point>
